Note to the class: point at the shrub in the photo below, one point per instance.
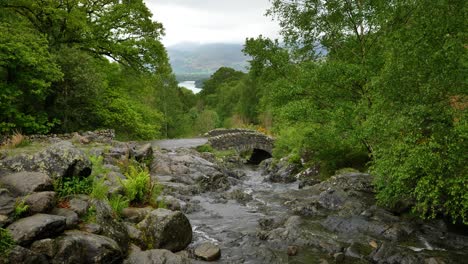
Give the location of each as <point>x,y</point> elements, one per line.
<point>17,140</point>
<point>138,186</point>
<point>68,186</point>
<point>205,148</point>
<point>118,203</point>
<point>6,242</point>
<point>99,189</point>
<point>20,209</point>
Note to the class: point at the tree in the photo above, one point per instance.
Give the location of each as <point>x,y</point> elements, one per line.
<point>27,70</point>
<point>121,30</point>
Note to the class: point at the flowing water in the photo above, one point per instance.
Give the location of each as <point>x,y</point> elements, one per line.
<point>233,225</point>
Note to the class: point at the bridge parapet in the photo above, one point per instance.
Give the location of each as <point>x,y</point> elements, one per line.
<point>223,131</point>
<point>242,140</point>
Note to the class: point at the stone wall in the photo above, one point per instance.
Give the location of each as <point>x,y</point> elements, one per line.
<point>105,135</point>
<point>243,141</point>
<point>223,131</point>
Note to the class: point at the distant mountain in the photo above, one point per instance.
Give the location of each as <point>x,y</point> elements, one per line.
<point>204,59</point>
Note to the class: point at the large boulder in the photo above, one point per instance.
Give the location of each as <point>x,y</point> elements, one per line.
<point>77,247</point>
<point>110,226</point>
<point>24,183</point>
<point>186,167</point>
<point>39,226</point>
<point>59,160</point>
<point>155,256</point>
<point>166,229</point>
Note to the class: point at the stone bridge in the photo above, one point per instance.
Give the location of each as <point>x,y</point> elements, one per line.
<point>243,140</point>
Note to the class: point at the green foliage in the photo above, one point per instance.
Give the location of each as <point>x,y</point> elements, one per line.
<point>6,242</point>
<point>205,148</point>
<point>118,203</point>
<point>26,72</point>
<point>55,74</point>
<point>99,189</point>
<point>90,216</point>
<point>21,208</point>
<point>138,186</point>
<point>68,186</point>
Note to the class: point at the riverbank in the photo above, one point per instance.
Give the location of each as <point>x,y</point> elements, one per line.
<point>211,207</point>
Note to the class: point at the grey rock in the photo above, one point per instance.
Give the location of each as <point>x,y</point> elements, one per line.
<point>155,256</point>
<point>390,253</point>
<point>39,226</point>
<point>61,159</point>
<point>77,247</point>
<point>92,228</point>
<point>80,205</point>
<point>135,235</point>
<point>144,152</point>
<point>72,218</point>
<point>111,227</point>
<point>171,202</point>
<point>166,229</point>
<point>7,202</point>
<point>23,255</point>
<point>208,251</point>
<point>45,247</point>
<point>40,202</point>
<point>281,171</point>
<point>188,168</point>
<point>24,183</point>
<point>135,215</point>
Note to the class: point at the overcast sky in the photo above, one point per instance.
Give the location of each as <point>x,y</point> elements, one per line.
<point>212,21</point>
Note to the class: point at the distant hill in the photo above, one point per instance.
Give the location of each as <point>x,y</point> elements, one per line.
<point>189,59</point>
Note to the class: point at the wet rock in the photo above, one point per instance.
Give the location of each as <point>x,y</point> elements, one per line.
<point>281,171</point>
<point>7,202</point>
<point>208,251</point>
<point>72,218</point>
<point>434,261</point>
<point>39,226</point>
<point>40,202</point>
<point>61,159</point>
<point>187,167</point>
<point>24,183</point>
<point>135,215</point>
<point>240,196</point>
<point>390,253</point>
<point>170,202</point>
<point>23,255</point>
<point>166,229</point>
<point>80,205</point>
<point>77,247</point>
<point>155,256</point>
<point>309,177</point>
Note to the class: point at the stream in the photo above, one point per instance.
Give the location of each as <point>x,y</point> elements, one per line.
<point>233,225</point>
<point>254,220</point>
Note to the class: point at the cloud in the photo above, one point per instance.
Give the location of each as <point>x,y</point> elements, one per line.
<point>210,21</point>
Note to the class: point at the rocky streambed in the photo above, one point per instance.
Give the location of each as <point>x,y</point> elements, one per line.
<point>216,210</point>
